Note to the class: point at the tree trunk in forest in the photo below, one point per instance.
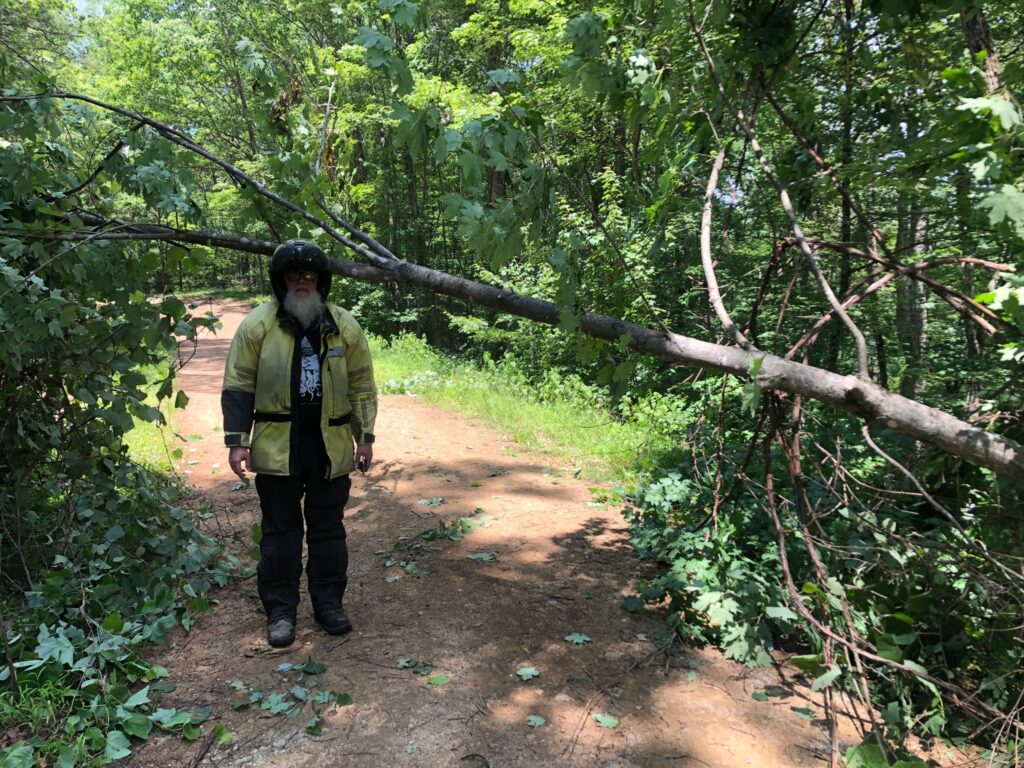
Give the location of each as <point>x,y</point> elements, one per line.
<point>979,39</point>
<point>409,166</point>
<point>910,317</point>
<point>845,159</point>
<point>964,207</point>
<point>619,142</point>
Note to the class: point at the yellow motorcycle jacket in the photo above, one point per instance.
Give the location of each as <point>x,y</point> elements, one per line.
<point>261,388</point>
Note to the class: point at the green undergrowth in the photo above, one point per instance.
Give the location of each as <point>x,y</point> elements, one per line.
<point>108,561</point>
<point>559,415</point>
<point>80,687</point>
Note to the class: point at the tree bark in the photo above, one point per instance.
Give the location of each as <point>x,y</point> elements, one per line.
<point>909,310</point>
<point>979,39</point>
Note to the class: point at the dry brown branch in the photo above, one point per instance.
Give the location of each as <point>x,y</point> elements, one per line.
<point>714,292</point>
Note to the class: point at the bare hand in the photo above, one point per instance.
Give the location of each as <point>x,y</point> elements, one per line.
<point>364,457</point>
<point>240,459</point>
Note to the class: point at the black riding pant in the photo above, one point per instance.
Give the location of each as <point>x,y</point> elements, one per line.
<point>285,501</point>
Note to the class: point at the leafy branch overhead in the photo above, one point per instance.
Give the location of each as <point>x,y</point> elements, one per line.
<point>856,395</point>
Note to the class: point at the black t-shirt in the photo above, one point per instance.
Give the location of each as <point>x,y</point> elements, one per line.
<point>310,399</point>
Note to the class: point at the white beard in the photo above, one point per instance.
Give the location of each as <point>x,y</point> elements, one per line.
<point>306,310</point>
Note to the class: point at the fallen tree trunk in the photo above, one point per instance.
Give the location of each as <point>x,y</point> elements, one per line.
<point>852,394</point>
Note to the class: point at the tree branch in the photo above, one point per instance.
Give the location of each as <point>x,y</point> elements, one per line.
<point>714,293</point>
<point>852,394</point>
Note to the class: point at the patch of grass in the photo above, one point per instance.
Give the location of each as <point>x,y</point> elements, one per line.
<point>574,428</point>
<point>152,445</point>
<point>149,443</point>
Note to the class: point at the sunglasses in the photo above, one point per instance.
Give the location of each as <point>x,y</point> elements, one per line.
<point>294,275</point>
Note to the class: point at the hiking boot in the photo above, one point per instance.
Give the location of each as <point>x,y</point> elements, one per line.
<point>281,633</point>
<point>334,621</point>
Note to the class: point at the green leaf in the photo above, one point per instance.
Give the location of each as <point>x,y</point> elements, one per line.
<point>805,713</point>
<point>751,398</point>
<point>577,638</point>
<point>632,604</point>
<point>502,76</point>
<point>811,664</point>
<point>759,696</point>
<point>826,680</point>
<point>587,34</point>
<point>276,703</point>
<point>1006,204</point>
<point>437,680</point>
<point>138,726</point>
<point>535,721</point>
<point>372,39</point>
<point>138,698</point>
<point>866,756</point>
<point>315,725</point>
<point>483,557</point>
<point>448,141</point>
<point>222,735</point>
<point>607,721</point>
<point>343,700</point>
<point>20,756</point>
<point>527,673</point>
<point>780,612</point>
<point>312,667</point>
<point>407,663</point>
<point>191,731</point>
<point>117,746</point>
<point>1001,108</point>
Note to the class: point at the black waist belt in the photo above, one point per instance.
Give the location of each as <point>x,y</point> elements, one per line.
<point>273,417</point>
<point>337,421</point>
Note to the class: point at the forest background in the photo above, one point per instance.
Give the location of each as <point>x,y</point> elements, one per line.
<point>837,183</point>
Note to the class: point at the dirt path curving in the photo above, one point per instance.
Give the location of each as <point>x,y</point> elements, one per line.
<point>542,562</point>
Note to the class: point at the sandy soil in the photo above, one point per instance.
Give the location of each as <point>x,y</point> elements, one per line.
<point>544,562</point>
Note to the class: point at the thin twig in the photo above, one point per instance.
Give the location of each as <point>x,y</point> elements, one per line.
<point>202,749</point>
<point>714,292</point>
<point>977,547</point>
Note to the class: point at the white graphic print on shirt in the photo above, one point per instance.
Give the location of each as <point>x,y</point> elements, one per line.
<point>309,381</point>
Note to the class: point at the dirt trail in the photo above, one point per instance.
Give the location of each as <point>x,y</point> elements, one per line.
<point>543,562</point>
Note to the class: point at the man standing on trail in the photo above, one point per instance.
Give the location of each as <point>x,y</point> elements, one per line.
<point>300,370</point>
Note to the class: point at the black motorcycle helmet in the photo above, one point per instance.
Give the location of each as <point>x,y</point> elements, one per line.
<point>299,254</point>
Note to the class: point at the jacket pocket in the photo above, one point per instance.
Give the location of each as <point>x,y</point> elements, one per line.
<point>270,444</point>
